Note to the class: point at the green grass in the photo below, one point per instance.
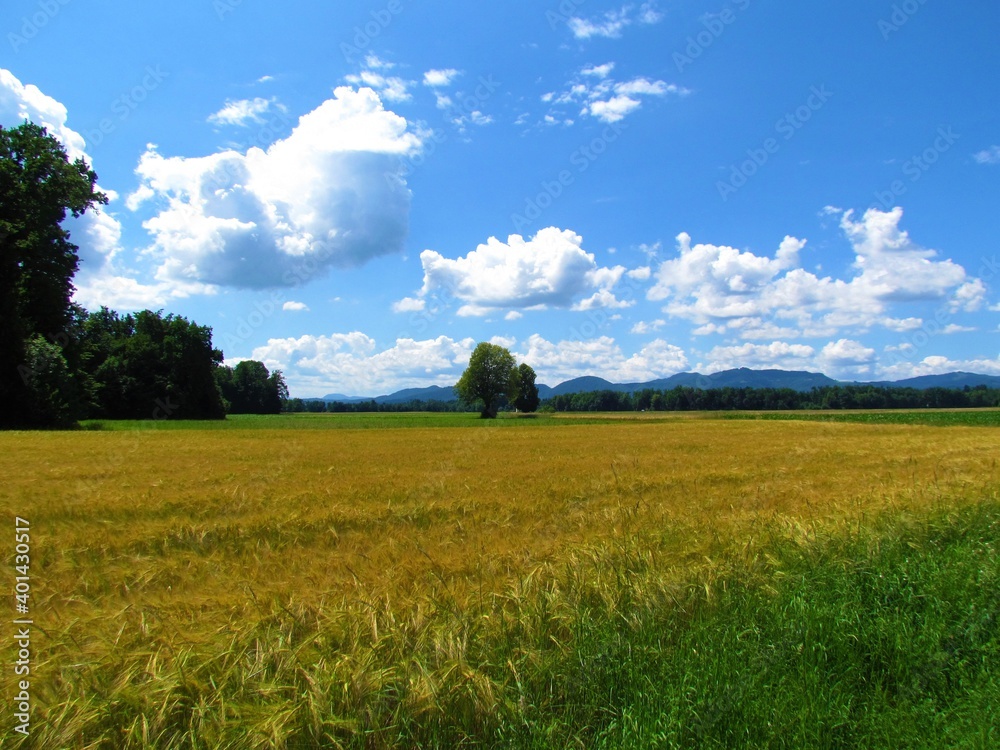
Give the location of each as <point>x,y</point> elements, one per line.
<point>878,640</point>
<point>370,421</point>
<point>931,418</point>
<point>304,421</point>
<point>380,420</point>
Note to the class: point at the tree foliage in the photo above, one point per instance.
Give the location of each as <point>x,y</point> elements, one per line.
<point>526,392</point>
<point>39,187</point>
<point>488,378</point>
<point>249,388</point>
<point>149,366</point>
<point>685,398</point>
<point>50,388</point>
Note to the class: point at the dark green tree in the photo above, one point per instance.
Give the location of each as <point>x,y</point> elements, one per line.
<point>39,187</point>
<point>249,388</point>
<point>150,366</point>
<point>488,378</point>
<point>51,390</point>
<point>525,390</point>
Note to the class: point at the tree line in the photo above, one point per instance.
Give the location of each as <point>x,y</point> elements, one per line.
<point>318,406</point>
<point>685,398</point>
<point>147,365</point>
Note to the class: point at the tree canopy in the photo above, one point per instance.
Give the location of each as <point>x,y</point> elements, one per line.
<point>149,366</point>
<point>526,392</point>
<point>39,186</point>
<point>249,388</point>
<point>489,377</point>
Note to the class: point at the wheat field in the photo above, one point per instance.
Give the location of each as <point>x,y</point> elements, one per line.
<point>262,587</point>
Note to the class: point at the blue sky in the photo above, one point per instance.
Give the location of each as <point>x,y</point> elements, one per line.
<point>357,193</point>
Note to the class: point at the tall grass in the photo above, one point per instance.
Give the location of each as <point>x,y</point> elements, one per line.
<point>641,585</point>
<point>880,636</point>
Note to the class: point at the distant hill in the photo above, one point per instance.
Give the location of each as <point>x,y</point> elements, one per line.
<point>949,380</point>
<point>582,385</point>
<point>745,378</point>
<point>339,397</point>
<point>431,393</point>
<point>739,378</point>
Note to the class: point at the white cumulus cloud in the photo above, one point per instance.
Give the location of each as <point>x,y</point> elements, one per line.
<point>844,357</point>
<point>353,363</point>
<point>244,111</point>
<point>644,327</point>
<point>611,24</point>
<point>600,71</point>
<point>389,88</point>
<point>722,288</point>
<point>776,355</point>
<point>555,362</point>
<point>598,95</point>
<point>331,194</point>
<point>437,78</point>
<point>409,304</point>
<point>550,269</point>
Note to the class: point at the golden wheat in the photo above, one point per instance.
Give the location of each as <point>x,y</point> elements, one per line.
<point>273,549</point>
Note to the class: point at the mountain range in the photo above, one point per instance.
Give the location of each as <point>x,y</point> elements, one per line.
<point>739,378</point>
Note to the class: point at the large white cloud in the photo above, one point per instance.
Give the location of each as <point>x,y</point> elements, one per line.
<point>776,355</point>
<point>550,269</point>
<point>352,363</point>
<point>727,290</point>
<point>845,357</point>
<point>555,362</point>
<point>331,194</point>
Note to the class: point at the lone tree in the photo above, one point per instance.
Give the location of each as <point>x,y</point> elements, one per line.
<point>39,186</point>
<point>526,392</point>
<point>489,376</point>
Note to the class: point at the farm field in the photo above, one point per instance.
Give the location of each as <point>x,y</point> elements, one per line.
<point>319,580</point>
